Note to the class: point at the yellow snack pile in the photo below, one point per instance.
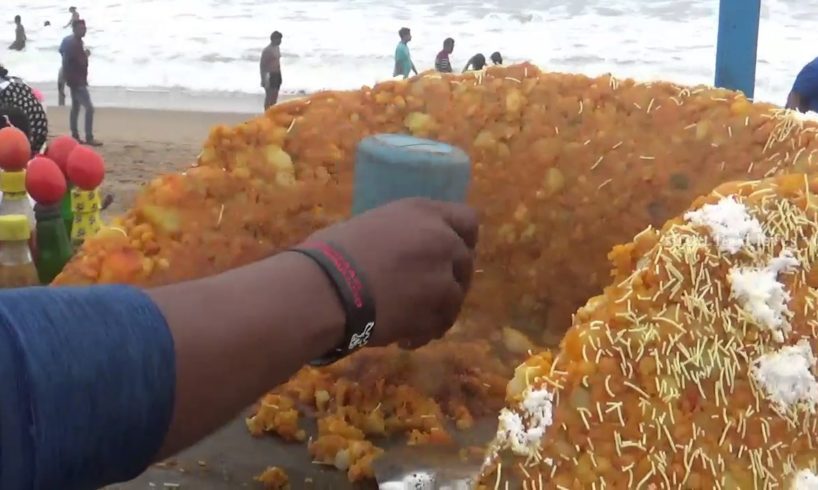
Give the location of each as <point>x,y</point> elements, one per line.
<point>564,168</point>
<point>694,369</point>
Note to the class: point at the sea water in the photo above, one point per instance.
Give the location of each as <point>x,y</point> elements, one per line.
<point>214,45</point>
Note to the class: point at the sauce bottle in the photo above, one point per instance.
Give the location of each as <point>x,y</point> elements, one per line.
<point>58,151</point>
<point>16,265</point>
<point>46,185</point>
<point>86,170</point>
<point>15,199</point>
<point>54,248</point>
<point>15,152</point>
<point>85,206</point>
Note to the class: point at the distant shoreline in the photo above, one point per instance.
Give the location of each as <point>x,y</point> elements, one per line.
<point>170,99</point>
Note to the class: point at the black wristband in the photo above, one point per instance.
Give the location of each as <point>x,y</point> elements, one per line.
<point>353,292</point>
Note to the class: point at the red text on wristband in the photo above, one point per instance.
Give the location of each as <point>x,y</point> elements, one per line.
<point>353,292</point>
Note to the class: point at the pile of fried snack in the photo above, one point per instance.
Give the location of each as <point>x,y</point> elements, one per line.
<point>565,167</point>
<point>695,368</point>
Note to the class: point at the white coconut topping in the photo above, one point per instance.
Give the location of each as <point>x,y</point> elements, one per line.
<point>805,480</point>
<point>730,225</point>
<point>523,433</point>
<point>759,293</point>
<point>786,376</point>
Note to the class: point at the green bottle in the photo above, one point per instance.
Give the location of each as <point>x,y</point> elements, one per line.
<point>53,246</point>
<point>66,211</point>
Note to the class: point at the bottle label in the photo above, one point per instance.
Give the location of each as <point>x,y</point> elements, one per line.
<point>87,221</point>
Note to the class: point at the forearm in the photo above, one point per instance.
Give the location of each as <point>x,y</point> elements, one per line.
<point>241,333</point>
<point>98,382</point>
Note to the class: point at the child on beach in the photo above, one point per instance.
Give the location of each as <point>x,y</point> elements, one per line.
<point>75,16</point>
<point>403,59</point>
<point>442,62</point>
<point>19,35</point>
<point>476,63</point>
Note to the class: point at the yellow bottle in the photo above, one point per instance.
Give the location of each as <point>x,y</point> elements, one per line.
<point>87,220</point>
<point>16,265</point>
<point>15,199</point>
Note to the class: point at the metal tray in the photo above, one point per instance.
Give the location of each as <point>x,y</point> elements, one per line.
<point>231,458</point>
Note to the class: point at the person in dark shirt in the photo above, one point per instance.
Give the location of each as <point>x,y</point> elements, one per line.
<point>75,71</point>
<point>804,94</point>
<point>476,63</point>
<point>496,58</point>
<point>60,74</point>
<point>442,62</point>
<point>19,35</point>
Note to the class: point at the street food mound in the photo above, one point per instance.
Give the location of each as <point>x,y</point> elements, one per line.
<point>694,369</point>
<point>565,167</point>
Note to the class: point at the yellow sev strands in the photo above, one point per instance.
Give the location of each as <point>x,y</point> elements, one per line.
<point>655,375</point>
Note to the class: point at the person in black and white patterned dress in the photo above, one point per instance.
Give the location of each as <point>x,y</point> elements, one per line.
<point>19,104</point>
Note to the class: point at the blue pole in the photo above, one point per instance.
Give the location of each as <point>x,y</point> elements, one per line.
<point>737,47</point>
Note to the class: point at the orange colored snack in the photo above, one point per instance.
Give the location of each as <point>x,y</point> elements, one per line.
<point>274,478</point>
<point>564,168</point>
<point>694,369</point>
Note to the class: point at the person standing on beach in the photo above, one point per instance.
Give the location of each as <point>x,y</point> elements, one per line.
<point>75,16</point>
<point>19,35</point>
<point>270,68</point>
<point>403,60</point>
<point>442,62</point>
<point>61,74</point>
<point>75,69</point>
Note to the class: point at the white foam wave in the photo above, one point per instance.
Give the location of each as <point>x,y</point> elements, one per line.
<point>213,45</point>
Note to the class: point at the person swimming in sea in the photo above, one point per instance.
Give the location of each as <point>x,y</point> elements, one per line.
<point>496,58</point>
<point>75,16</point>
<point>476,63</point>
<point>19,43</point>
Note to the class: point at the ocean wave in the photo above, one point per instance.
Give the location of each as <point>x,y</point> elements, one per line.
<point>214,45</point>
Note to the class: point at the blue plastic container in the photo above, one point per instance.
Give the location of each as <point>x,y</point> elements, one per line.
<point>389,167</point>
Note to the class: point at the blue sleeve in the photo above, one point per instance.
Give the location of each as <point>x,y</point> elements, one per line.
<point>87,380</point>
<point>806,83</point>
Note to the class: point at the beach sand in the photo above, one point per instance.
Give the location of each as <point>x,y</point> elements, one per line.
<point>141,144</point>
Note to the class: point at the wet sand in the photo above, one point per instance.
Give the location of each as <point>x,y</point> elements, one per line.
<point>140,144</point>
